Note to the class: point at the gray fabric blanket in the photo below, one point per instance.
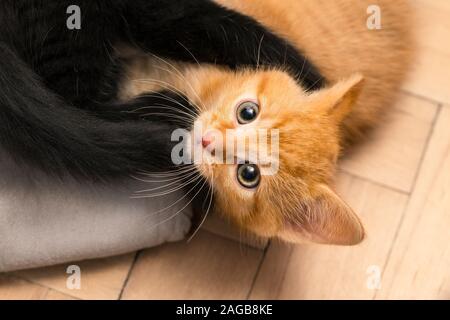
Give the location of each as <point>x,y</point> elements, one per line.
<point>43,222</point>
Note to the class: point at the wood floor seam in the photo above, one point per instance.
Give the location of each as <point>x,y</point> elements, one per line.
<point>19,278</point>
<point>127,278</point>
<point>263,257</point>
<point>403,215</point>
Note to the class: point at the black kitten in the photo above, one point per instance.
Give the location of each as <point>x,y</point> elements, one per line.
<point>58,87</point>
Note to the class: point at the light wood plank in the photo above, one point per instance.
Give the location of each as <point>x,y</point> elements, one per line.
<point>55,295</point>
<point>209,267</point>
<point>392,153</point>
<point>100,279</point>
<point>330,272</point>
<point>12,288</point>
<point>419,267</point>
<point>430,76</point>
<point>270,277</point>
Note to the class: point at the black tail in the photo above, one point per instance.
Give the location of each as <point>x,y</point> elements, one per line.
<point>38,129</point>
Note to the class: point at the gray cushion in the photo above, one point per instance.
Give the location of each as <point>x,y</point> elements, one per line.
<point>43,222</point>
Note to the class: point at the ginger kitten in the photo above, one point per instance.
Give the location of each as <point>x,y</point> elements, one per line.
<point>363,68</point>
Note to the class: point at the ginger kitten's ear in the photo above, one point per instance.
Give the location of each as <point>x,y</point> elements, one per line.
<point>339,99</point>
<point>327,219</point>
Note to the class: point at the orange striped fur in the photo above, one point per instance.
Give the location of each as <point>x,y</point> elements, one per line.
<point>365,69</point>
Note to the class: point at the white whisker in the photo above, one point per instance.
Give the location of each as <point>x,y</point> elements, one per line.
<point>184,207</point>
<point>170,178</point>
<point>210,191</point>
<point>167,86</point>
<point>167,173</point>
<point>183,78</point>
<point>175,181</point>
<point>184,196</point>
<point>166,192</point>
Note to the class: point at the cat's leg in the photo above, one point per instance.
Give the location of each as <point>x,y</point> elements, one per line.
<point>205,32</point>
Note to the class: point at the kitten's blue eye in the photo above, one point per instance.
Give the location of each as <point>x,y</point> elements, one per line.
<point>247,112</point>
<point>248,175</point>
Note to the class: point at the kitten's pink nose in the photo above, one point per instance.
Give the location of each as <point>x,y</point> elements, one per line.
<point>207,139</point>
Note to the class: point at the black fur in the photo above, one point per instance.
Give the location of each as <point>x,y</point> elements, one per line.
<point>56,85</point>
<point>202,29</point>
<point>36,126</point>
